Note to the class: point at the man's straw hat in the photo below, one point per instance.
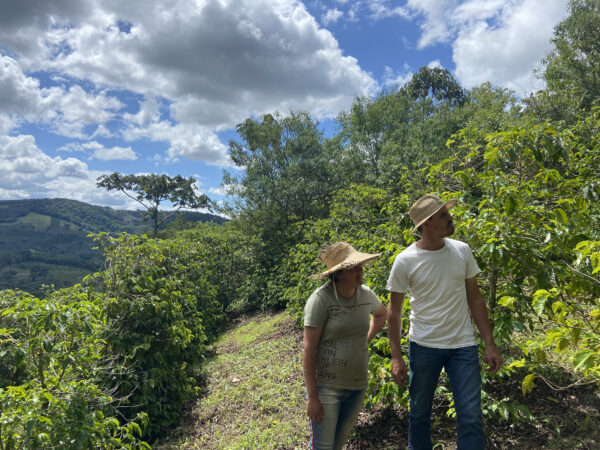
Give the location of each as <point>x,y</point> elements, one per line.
<point>342,255</point>
<point>426,207</point>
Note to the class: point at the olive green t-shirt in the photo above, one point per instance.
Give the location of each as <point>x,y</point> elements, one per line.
<point>342,351</point>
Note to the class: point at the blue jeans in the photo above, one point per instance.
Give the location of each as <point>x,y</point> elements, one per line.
<point>340,410</point>
<point>462,367</point>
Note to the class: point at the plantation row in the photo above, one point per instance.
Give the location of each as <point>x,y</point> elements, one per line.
<point>109,363</point>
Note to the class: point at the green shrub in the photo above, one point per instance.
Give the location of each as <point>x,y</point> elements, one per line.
<point>52,355</point>
<point>158,311</point>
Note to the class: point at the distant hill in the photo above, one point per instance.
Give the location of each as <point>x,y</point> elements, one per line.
<point>44,241</point>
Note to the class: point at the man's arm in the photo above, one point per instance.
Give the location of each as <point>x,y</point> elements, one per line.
<point>394,317</point>
<point>377,321</point>
<point>482,322</point>
<point>314,407</point>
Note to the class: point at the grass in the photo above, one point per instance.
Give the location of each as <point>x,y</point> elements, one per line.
<point>254,396</point>
<point>40,222</point>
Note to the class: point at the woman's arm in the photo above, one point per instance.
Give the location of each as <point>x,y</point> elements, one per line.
<point>377,321</point>
<point>314,408</point>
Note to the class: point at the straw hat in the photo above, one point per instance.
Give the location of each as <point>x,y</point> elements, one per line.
<point>426,207</point>
<point>342,255</point>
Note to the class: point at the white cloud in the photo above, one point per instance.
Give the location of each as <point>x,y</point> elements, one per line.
<point>201,66</point>
<point>437,24</point>
<point>331,16</point>
<point>435,64</point>
<point>26,168</point>
<point>238,53</point>
<point>220,191</point>
<point>194,142</point>
<point>381,9</point>
<point>394,79</point>
<point>66,111</point>
<point>507,53</point>
<point>27,172</point>
<point>120,153</point>
<point>501,41</point>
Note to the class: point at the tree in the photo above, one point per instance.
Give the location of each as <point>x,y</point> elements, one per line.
<point>151,190</point>
<point>572,68</point>
<point>288,177</point>
<point>437,84</point>
<point>368,129</point>
<point>405,127</point>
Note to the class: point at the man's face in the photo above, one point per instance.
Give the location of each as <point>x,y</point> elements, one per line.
<point>441,223</point>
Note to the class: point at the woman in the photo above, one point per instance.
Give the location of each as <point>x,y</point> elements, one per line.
<point>335,356</point>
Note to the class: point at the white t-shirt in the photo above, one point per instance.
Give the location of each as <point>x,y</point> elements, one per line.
<point>342,351</point>
<point>439,315</point>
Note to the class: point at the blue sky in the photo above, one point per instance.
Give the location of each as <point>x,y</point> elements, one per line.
<point>89,87</point>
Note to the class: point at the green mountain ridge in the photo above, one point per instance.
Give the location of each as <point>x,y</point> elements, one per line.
<point>44,241</point>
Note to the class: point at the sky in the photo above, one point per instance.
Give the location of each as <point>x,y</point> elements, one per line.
<point>91,87</point>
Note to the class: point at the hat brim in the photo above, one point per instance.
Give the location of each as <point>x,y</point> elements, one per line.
<point>448,204</point>
<point>361,259</point>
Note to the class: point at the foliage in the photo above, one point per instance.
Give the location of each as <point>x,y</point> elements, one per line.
<point>50,390</point>
<point>531,204</point>
<point>288,179</point>
<point>228,264</point>
<point>152,190</point>
<point>159,311</point>
<point>572,68</point>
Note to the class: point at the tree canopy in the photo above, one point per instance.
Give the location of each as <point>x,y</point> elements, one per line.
<point>152,190</point>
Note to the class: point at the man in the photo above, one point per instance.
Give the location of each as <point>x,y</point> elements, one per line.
<point>440,274</point>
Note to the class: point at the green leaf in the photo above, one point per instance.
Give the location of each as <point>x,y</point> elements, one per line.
<point>539,301</point>
<point>527,385</point>
<point>584,360</point>
<point>510,205</point>
<point>507,302</point>
<point>562,345</point>
<point>561,216</point>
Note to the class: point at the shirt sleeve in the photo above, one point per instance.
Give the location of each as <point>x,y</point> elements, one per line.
<point>374,301</point>
<point>315,311</point>
<point>398,279</point>
<point>471,267</point>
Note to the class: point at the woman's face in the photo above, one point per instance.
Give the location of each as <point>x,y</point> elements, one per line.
<point>352,276</point>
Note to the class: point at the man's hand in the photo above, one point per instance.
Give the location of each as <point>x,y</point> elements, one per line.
<point>399,371</point>
<point>314,410</point>
<point>492,358</point>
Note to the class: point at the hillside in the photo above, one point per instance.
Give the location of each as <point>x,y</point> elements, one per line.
<point>44,241</point>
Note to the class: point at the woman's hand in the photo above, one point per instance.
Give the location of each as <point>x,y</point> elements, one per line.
<point>314,409</point>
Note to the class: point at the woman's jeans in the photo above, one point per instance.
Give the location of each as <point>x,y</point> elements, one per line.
<point>340,410</point>
<point>462,367</point>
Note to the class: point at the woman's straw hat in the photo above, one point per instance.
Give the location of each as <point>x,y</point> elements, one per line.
<point>342,255</point>
<point>426,207</point>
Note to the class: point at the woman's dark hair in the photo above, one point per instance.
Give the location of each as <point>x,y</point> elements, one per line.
<point>334,276</point>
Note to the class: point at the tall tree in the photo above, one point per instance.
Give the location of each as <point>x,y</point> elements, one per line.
<point>572,68</point>
<point>151,190</point>
<point>404,127</point>
<point>288,176</point>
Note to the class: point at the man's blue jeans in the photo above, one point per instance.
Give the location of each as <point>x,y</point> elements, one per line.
<point>462,367</point>
<point>340,410</point>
